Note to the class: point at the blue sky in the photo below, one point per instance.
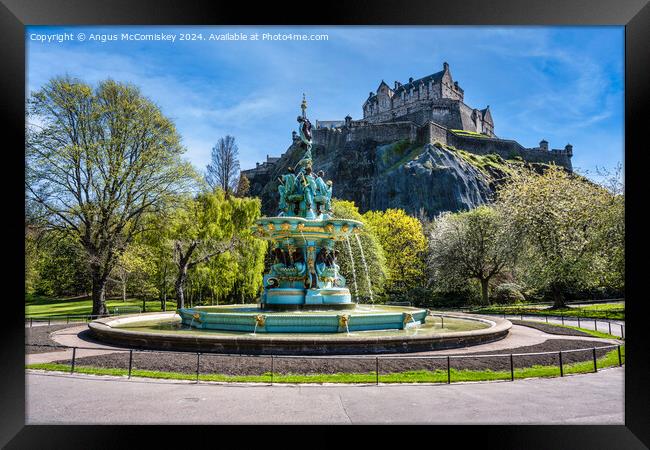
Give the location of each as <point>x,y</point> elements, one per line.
<point>563,84</point>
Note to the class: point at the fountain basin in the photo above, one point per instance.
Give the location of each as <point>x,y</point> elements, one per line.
<point>165,331</point>
<point>245,318</point>
<point>302,229</point>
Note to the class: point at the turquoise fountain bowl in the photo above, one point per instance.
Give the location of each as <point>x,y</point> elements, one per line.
<point>256,320</point>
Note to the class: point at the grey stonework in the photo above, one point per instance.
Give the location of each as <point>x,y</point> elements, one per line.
<point>434,98</point>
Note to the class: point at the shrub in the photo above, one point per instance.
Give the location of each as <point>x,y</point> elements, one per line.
<point>508,293</point>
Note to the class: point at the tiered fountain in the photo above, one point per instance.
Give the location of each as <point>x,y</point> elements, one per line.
<point>305,276</point>
<point>305,306</point>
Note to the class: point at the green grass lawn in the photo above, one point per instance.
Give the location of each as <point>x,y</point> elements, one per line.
<point>39,306</point>
<point>596,311</point>
<point>594,333</point>
<point>419,376</point>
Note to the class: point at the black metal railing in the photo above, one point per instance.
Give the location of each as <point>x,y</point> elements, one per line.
<point>610,326</point>
<point>72,318</point>
<point>372,360</point>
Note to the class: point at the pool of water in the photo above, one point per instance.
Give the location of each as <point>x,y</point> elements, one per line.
<point>432,325</point>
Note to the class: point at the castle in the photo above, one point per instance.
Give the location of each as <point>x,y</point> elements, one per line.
<point>427,110</point>
<point>437,98</point>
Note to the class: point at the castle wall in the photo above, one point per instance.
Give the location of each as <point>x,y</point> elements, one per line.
<point>380,132</point>
<point>508,149</point>
<point>431,133</point>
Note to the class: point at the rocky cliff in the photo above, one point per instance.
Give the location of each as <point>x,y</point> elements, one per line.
<point>417,178</point>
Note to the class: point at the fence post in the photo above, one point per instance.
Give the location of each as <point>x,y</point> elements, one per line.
<point>448,370</point>
<point>377,370</point>
<point>74,355</point>
<point>561,368</point>
<point>546,319</point>
<point>620,361</point>
<point>272,368</point>
<point>610,327</point>
<point>130,361</point>
<point>622,332</point>
<point>595,364</point>
<point>198,362</point>
<point>579,322</point>
<point>512,369</point>
<point>31,321</point>
<point>562,317</point>
<point>442,318</point>
<point>48,321</point>
<point>595,325</point>
<point>67,319</point>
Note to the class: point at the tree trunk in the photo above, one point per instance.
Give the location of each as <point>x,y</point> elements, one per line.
<point>178,286</point>
<point>124,290</point>
<point>99,294</point>
<point>484,290</point>
<point>558,297</point>
<point>164,291</point>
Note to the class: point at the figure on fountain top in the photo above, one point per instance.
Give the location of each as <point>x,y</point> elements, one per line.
<point>300,191</point>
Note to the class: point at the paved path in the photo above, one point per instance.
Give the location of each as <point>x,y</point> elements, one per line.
<point>70,338</point>
<point>82,399</point>
<point>518,336</point>
<point>613,327</point>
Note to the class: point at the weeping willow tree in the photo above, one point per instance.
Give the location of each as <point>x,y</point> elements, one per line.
<point>212,239</point>
<point>350,257</point>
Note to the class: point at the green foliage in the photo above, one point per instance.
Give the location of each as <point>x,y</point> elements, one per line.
<point>213,245</point>
<point>55,264</point>
<point>470,245</point>
<point>372,250</point>
<point>572,229</point>
<point>97,161</point>
<point>402,238</point>
<point>508,293</point>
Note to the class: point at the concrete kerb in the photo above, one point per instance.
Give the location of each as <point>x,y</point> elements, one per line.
<point>103,329</point>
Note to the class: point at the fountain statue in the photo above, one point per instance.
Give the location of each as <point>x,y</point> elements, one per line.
<point>305,274</point>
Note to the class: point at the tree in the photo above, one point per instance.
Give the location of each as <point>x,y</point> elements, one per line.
<point>156,236</point>
<point>136,269</point>
<point>55,264</point>
<point>471,245</point>
<point>206,227</point>
<point>97,161</point>
<point>352,268</point>
<point>224,166</point>
<point>404,245</point>
<point>560,218</point>
<point>243,186</point>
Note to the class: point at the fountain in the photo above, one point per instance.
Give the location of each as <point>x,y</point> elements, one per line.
<point>305,305</point>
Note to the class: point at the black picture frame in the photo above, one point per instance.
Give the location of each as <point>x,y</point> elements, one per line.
<point>633,14</point>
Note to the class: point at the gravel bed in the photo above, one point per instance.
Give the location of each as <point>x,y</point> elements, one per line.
<point>258,365</point>
<point>40,337</point>
<point>550,329</point>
